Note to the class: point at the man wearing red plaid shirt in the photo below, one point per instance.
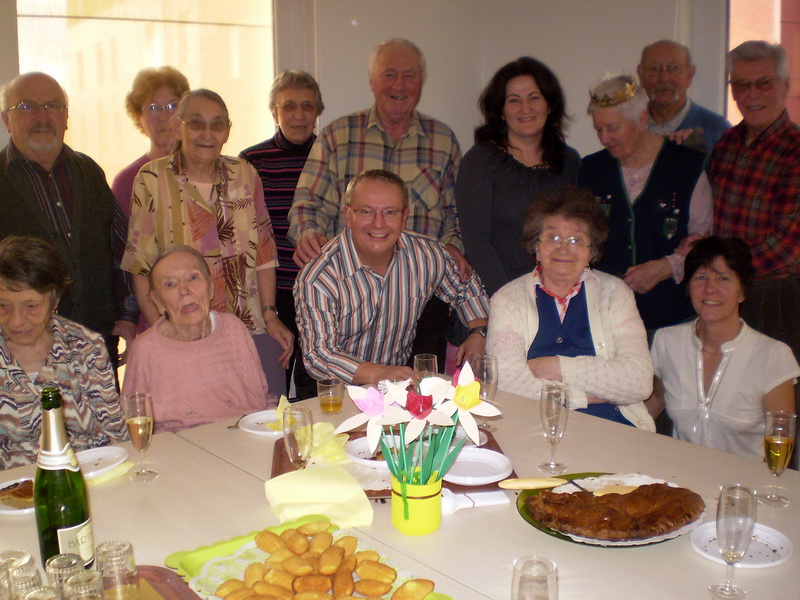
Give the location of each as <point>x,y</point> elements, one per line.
<point>755,175</point>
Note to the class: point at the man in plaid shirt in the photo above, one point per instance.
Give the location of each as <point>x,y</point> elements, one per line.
<point>755,175</point>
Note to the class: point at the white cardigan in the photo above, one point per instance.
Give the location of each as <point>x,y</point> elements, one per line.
<point>622,371</point>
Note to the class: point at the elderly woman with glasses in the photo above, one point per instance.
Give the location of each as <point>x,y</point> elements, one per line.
<point>215,204</point>
<point>150,103</point>
<point>566,322</point>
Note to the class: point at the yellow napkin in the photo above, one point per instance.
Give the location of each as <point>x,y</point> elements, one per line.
<point>328,490</point>
<point>277,424</point>
<point>117,471</point>
<point>327,446</point>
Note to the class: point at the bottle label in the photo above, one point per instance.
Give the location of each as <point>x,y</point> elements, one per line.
<point>55,461</point>
<point>77,539</point>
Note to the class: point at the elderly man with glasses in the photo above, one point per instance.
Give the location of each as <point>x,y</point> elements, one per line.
<point>49,191</point>
<point>359,300</point>
<point>666,72</point>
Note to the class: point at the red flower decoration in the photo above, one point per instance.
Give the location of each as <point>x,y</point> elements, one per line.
<point>418,405</point>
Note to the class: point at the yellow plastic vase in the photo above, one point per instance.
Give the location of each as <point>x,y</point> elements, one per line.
<point>421,512</point>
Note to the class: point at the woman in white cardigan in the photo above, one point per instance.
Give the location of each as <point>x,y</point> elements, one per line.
<point>565,322</point>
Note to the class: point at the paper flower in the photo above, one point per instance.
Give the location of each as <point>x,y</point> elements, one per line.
<point>372,404</point>
<point>418,410</point>
<point>465,398</point>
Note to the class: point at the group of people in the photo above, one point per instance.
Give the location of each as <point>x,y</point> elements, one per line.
<point>354,250</point>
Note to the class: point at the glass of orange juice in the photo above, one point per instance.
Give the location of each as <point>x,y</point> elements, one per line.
<point>331,394</point>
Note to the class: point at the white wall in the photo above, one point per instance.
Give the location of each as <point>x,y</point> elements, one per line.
<point>466,41</point>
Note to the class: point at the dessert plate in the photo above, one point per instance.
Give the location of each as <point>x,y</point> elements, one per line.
<point>478,466</point>
<point>257,423</point>
<point>96,461</point>
<point>769,547</point>
<point>10,510</point>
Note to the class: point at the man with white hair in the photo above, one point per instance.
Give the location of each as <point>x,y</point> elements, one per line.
<point>666,72</point>
<point>390,135</point>
<point>755,176</point>
<point>49,191</point>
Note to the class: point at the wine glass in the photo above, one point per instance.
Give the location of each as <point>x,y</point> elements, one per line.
<point>778,446</point>
<point>138,411</point>
<point>425,365</point>
<point>736,518</point>
<point>298,434</point>
<point>554,412</point>
<point>484,367</point>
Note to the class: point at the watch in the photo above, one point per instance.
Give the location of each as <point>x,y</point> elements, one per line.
<point>271,307</point>
<point>480,330</point>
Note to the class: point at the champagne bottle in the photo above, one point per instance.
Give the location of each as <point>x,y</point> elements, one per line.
<point>59,491</point>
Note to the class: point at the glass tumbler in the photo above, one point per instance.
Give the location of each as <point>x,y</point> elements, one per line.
<point>61,567</point>
<point>84,586</point>
<point>115,561</point>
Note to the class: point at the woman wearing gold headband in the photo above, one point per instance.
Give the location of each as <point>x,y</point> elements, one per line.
<point>656,197</point>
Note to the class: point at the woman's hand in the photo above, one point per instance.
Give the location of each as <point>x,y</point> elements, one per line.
<point>546,367</point>
<point>281,334</point>
<point>644,277</point>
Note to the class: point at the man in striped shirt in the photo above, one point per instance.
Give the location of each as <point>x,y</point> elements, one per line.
<point>359,300</point>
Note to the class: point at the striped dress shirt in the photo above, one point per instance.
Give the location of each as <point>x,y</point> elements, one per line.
<point>426,158</point>
<point>347,313</point>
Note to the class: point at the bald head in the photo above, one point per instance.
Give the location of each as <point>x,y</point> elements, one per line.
<point>666,72</point>
<point>34,110</point>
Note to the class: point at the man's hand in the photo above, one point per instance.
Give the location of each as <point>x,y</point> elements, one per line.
<point>372,373</point>
<point>308,247</point>
<point>463,267</point>
<point>475,344</point>
<point>643,278</point>
<point>281,334</point>
<point>681,135</point>
<point>127,331</point>
<point>546,367</point>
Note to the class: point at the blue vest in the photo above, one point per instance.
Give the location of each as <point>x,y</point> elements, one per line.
<point>650,229</point>
<point>571,338</point>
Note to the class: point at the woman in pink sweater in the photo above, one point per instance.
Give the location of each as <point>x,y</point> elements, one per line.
<point>199,365</point>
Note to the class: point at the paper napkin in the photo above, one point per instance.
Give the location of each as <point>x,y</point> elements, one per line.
<point>117,471</point>
<point>328,490</point>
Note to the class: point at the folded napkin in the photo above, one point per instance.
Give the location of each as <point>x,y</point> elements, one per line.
<point>327,490</point>
<point>117,471</point>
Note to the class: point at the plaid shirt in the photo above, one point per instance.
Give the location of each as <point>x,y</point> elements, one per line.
<point>757,194</point>
<point>426,158</point>
<point>347,313</point>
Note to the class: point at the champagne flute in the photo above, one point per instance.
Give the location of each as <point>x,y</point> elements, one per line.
<point>554,412</point>
<point>484,367</point>
<point>736,518</point>
<point>778,446</point>
<point>138,411</point>
<point>425,365</point>
<point>298,435</point>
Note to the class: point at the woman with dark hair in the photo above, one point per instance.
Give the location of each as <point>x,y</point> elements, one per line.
<point>519,152</point>
<point>715,374</point>
<point>39,349</point>
<point>566,322</point>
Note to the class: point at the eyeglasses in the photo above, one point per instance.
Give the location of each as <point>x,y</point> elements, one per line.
<point>28,107</point>
<point>554,242</point>
<point>293,106</point>
<point>742,86</point>
<point>155,109</point>
<point>367,214</point>
<point>217,125</point>
<point>671,70</point>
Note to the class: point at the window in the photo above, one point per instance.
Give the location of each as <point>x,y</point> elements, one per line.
<point>95,48</point>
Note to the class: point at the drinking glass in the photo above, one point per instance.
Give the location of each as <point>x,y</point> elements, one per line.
<point>298,434</point>
<point>484,367</point>
<point>778,446</point>
<point>330,393</point>
<point>43,592</point>
<point>138,411</point>
<point>23,579</point>
<point>425,365</point>
<point>554,412</point>
<point>736,517</point>
<point>534,578</point>
<point>84,586</point>
<point>10,559</point>
<point>115,562</point>
<point>61,567</point>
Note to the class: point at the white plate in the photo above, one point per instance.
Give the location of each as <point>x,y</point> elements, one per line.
<point>256,423</point>
<point>97,461</point>
<point>478,466</point>
<point>8,510</point>
<point>769,547</point>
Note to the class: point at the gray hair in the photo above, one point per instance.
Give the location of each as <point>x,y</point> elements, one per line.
<point>614,91</point>
<point>376,52</point>
<point>199,93</point>
<point>674,43</point>
<point>173,250</point>
<point>759,50</point>
<point>297,80</point>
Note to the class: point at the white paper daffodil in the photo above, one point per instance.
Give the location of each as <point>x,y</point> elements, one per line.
<point>419,409</point>
<point>373,405</point>
<point>465,398</point>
